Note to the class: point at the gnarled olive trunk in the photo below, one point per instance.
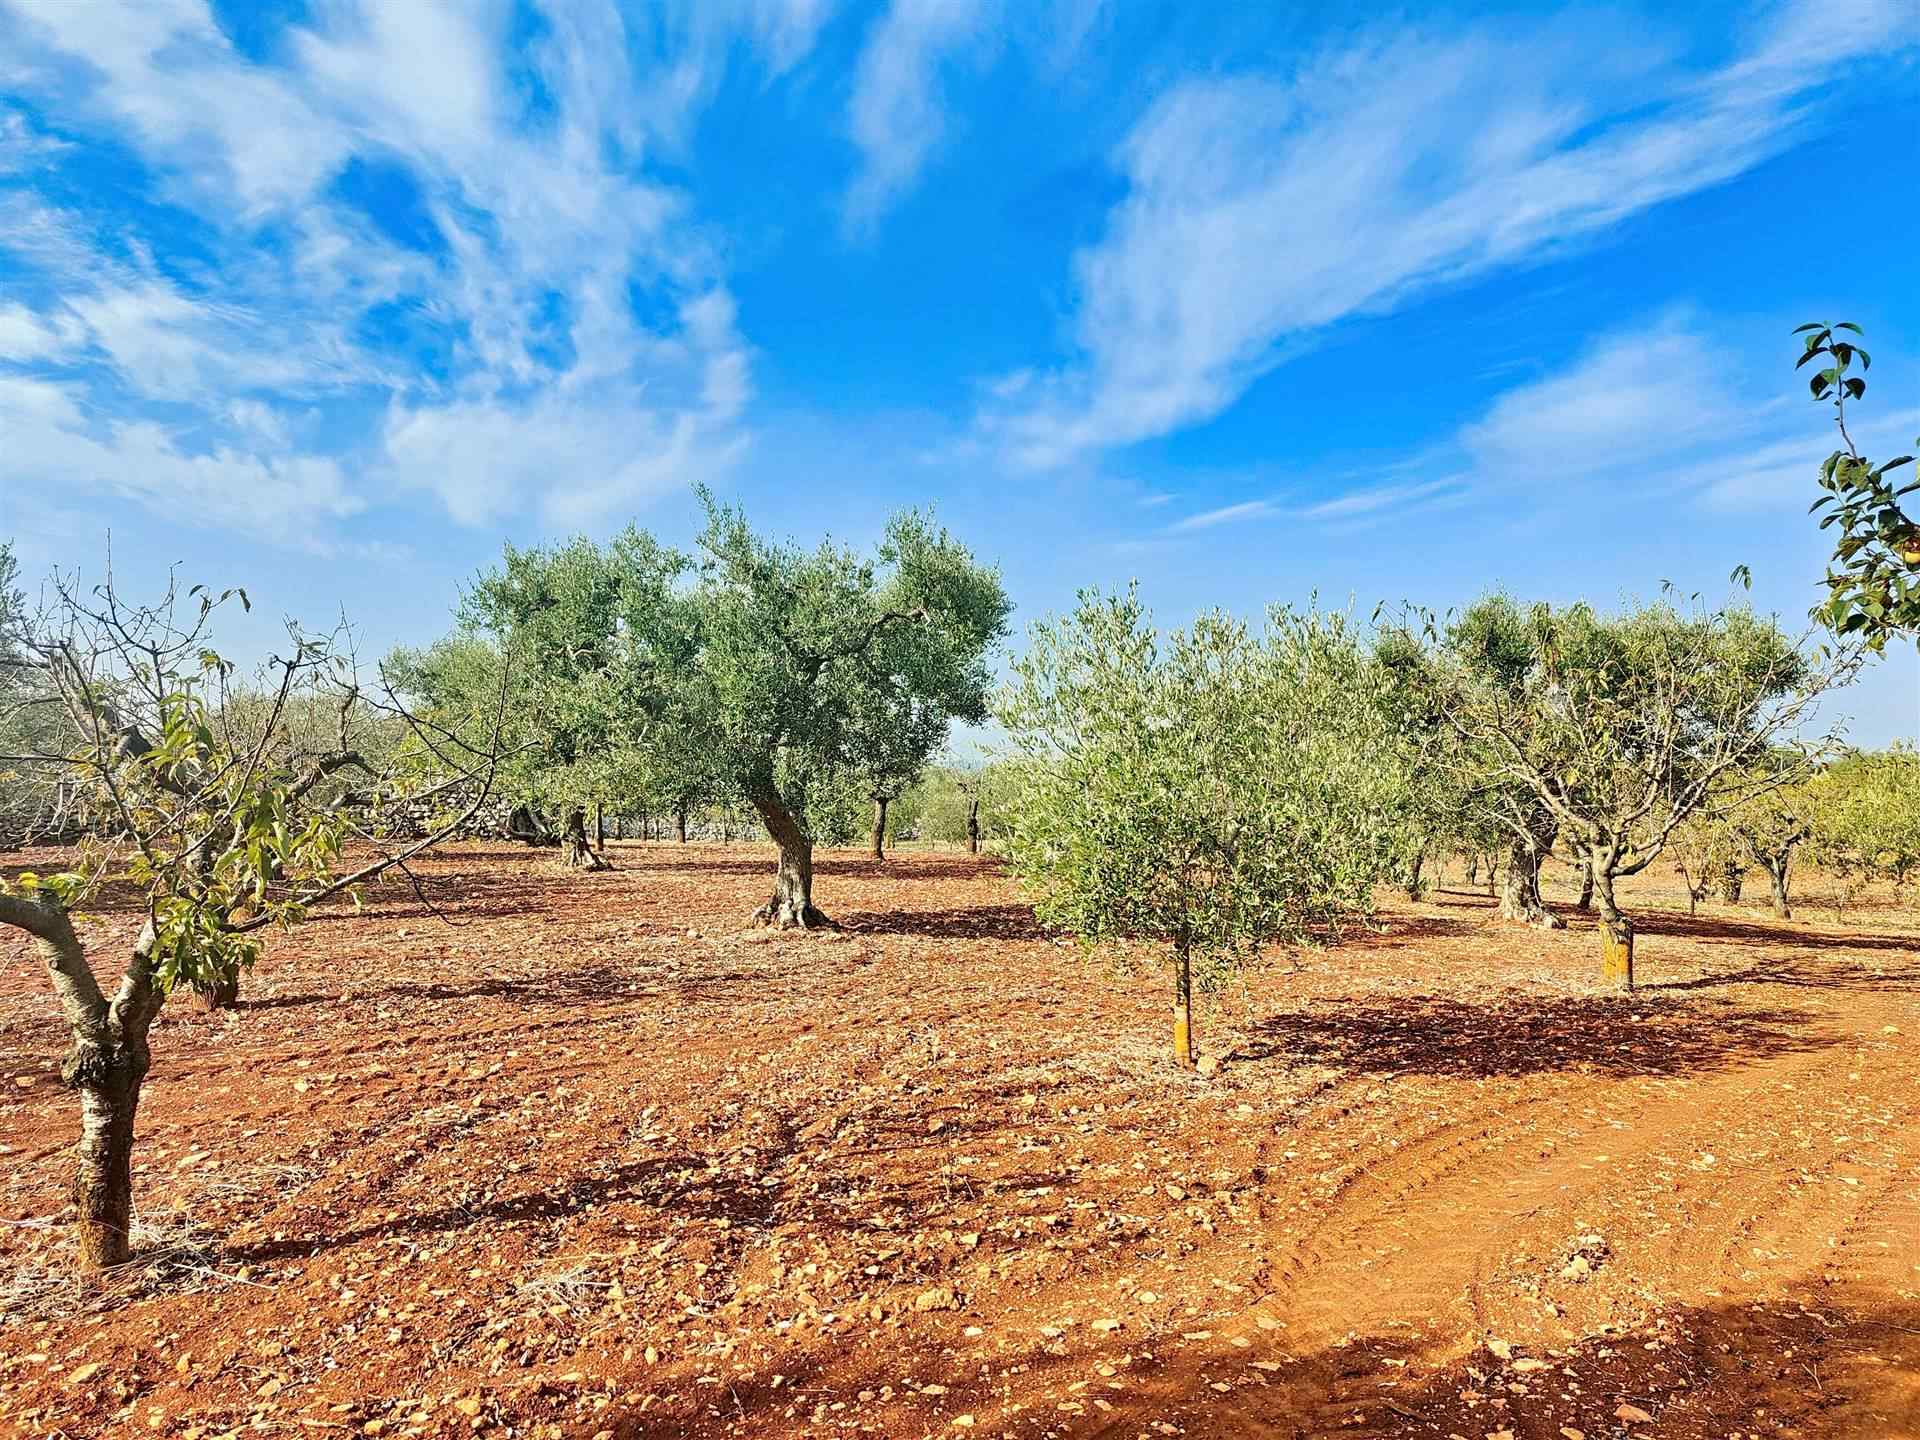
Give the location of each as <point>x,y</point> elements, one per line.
<point>680,826</point>
<point>219,992</point>
<point>1733,879</point>
<point>1416,886</point>
<point>1616,932</point>
<point>1520,899</point>
<point>580,854</point>
<point>1585,902</point>
<point>792,904</point>
<point>1777,873</point>
<point>524,824</point>
<point>973,827</point>
<point>880,827</point>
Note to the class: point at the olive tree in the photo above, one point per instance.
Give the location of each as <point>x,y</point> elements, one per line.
<point>964,804</point>
<point>1864,818</point>
<point>799,658</point>
<point>1467,794</point>
<point>215,814</point>
<point>1215,789</point>
<point>588,628</point>
<point>889,745</point>
<point>1623,727</point>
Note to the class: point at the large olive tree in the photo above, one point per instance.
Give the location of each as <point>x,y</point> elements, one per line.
<point>1215,789</point>
<point>785,676</point>
<point>800,658</point>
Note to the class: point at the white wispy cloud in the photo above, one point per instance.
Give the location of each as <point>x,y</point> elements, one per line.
<point>897,115</point>
<point>1225,515</point>
<point>1665,409</point>
<point>1263,208</point>
<point>1349,506</point>
<point>548,224</point>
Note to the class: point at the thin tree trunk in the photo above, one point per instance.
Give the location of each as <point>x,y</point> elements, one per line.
<point>579,854</point>
<point>1182,1005</point>
<point>879,827</point>
<point>1777,873</point>
<point>1585,902</point>
<point>680,824</point>
<point>1414,887</point>
<point>1473,870</point>
<point>1733,879</point>
<point>1492,879</point>
<point>599,826</point>
<point>792,904</point>
<point>973,827</point>
<point>1616,933</point>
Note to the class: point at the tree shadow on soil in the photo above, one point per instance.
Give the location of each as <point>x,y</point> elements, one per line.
<point>1529,1036</point>
<point>678,1184</point>
<point>1749,932</point>
<point>980,922</point>
<point>1810,974</point>
<point>1713,1368</point>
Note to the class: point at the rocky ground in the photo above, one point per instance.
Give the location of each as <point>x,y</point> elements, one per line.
<point>587,1158</point>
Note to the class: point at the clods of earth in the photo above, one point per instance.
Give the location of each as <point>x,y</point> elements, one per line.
<point>557,1155</point>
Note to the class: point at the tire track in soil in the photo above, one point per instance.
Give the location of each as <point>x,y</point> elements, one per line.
<point>1436,1206</point>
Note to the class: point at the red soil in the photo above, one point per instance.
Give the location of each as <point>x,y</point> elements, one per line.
<point>593,1161</point>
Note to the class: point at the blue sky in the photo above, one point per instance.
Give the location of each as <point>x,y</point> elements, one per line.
<point>1249,302</point>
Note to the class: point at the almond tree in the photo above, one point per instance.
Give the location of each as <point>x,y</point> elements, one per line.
<point>1623,727</point>
<point>1865,817</point>
<point>1214,791</point>
<point>1774,823</point>
<point>223,830</point>
<point>1873,592</point>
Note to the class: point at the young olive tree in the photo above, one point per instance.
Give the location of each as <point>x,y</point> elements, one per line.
<point>1214,789</point>
<point>213,813</point>
<point>1623,727</point>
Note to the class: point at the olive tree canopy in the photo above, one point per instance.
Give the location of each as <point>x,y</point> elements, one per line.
<point>804,661</point>
<point>1215,789</point>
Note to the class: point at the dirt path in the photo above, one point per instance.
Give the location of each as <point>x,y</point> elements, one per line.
<point>593,1161</point>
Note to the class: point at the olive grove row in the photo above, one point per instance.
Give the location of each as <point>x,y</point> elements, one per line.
<point>1200,793</point>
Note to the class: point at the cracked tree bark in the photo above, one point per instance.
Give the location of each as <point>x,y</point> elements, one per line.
<point>580,853</point>
<point>791,906</point>
<point>1520,897</point>
<point>106,1068</point>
